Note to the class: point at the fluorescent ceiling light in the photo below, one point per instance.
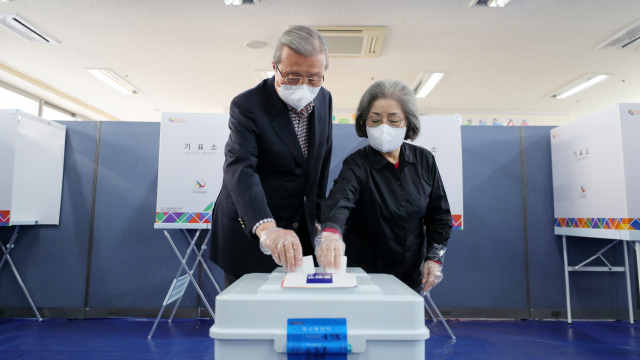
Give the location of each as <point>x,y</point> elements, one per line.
<point>579,85</point>
<point>115,81</point>
<point>497,3</point>
<point>490,3</point>
<point>241,2</point>
<point>425,83</point>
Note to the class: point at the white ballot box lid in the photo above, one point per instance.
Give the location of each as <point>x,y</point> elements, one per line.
<point>381,307</point>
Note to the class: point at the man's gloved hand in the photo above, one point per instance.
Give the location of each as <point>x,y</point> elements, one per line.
<point>283,245</point>
<point>431,275</point>
<point>329,250</point>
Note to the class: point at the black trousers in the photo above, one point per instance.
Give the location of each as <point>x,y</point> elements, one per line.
<point>303,235</point>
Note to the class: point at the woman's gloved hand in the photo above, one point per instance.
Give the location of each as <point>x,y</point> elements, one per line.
<point>283,245</point>
<point>329,250</point>
<point>431,275</point>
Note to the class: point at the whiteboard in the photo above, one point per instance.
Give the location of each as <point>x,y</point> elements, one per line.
<point>31,180</point>
<point>189,169</point>
<point>442,136</point>
<point>595,174</point>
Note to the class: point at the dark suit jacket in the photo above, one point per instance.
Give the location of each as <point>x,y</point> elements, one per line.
<point>267,176</point>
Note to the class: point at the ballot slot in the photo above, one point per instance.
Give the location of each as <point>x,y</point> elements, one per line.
<point>365,286</point>
<point>319,280</point>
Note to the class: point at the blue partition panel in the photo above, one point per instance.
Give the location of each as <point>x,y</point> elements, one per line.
<point>589,290</point>
<point>484,266</point>
<point>133,264</point>
<point>52,260</point>
<point>345,143</point>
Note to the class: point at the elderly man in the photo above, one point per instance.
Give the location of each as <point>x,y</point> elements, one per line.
<point>277,162</point>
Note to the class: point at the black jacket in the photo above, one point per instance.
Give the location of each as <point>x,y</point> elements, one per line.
<point>267,176</point>
<point>389,217</point>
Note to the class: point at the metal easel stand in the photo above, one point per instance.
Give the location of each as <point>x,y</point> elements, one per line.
<point>428,297</point>
<point>581,267</point>
<point>15,271</point>
<point>180,283</point>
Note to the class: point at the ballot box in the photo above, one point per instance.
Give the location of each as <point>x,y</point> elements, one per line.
<point>384,317</point>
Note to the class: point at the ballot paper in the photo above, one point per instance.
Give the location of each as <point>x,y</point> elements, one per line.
<point>319,280</point>
<point>307,266</point>
<point>342,270</point>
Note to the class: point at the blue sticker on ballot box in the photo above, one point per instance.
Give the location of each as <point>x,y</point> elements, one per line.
<point>317,339</point>
<point>319,278</point>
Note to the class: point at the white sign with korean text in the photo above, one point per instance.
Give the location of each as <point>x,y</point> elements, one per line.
<point>189,169</point>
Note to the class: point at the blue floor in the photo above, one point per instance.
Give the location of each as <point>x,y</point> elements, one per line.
<point>188,339</point>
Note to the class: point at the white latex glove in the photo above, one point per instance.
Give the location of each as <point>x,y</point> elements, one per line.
<point>284,246</point>
<point>329,250</point>
<point>431,275</point>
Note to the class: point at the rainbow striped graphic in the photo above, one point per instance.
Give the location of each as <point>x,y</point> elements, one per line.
<point>599,223</point>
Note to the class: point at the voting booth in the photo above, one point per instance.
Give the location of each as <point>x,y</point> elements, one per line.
<point>189,179</point>
<point>31,167</point>
<point>380,318</point>
<point>596,172</point>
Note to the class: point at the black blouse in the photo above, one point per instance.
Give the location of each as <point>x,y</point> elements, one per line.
<point>389,218</point>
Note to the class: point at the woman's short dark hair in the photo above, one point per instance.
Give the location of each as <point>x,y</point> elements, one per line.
<point>393,90</point>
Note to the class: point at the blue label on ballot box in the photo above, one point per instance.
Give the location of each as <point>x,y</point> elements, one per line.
<point>317,339</point>
<point>319,278</point>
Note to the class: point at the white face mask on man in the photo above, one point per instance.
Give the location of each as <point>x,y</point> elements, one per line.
<point>386,138</point>
<point>297,96</point>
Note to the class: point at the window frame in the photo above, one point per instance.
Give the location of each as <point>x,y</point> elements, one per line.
<point>42,102</point>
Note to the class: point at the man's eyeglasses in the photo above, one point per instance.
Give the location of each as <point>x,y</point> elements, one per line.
<point>294,81</point>
<point>394,121</point>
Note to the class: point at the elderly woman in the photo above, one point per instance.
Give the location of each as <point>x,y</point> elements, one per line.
<point>388,203</point>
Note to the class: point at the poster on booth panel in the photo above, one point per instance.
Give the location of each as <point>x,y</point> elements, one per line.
<point>189,169</point>
<point>38,170</point>
<point>441,135</point>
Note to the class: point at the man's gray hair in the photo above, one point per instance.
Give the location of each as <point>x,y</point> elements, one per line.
<point>303,40</point>
<point>393,90</point>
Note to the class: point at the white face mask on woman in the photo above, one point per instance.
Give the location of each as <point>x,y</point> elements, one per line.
<point>386,138</point>
<point>298,96</point>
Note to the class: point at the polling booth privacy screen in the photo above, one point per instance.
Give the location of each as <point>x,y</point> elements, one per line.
<point>190,169</point>
<point>31,167</point>
<point>596,173</point>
